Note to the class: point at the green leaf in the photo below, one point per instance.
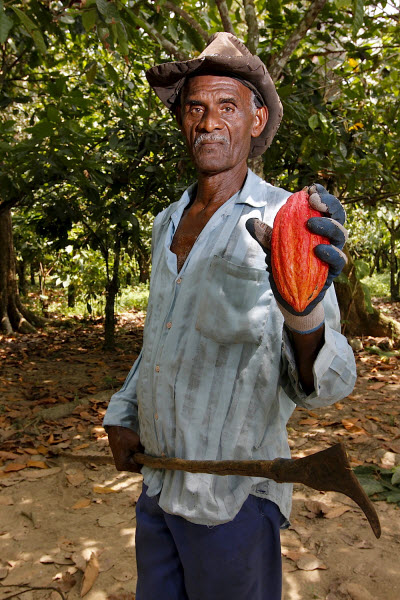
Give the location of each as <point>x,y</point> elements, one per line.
<point>371,486</point>
<point>111,73</point>
<point>361,268</point>
<point>32,29</point>
<point>91,73</point>
<point>122,39</point>
<point>358,15</point>
<point>39,41</point>
<point>5,24</point>
<point>342,278</point>
<point>396,476</point>
<point>393,497</point>
<point>313,121</point>
<point>53,114</point>
<point>89,18</point>
<point>108,10</point>
<point>42,129</point>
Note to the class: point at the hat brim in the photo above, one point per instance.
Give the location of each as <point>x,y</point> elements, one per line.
<point>168,79</point>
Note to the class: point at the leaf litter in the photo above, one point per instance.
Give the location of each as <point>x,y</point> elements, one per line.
<point>367,422</point>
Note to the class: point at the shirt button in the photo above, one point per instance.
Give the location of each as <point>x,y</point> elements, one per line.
<point>156,417</point>
<point>158,368</point>
<point>179,280</point>
<point>169,325</point>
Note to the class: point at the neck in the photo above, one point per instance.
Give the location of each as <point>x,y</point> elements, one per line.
<point>217,188</point>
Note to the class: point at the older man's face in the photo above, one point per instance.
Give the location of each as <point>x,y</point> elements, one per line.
<point>218,119</point>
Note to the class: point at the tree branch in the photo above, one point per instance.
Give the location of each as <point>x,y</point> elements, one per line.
<point>278,62</point>
<point>224,14</point>
<point>158,37</point>
<point>188,18</point>
<point>252,25</point>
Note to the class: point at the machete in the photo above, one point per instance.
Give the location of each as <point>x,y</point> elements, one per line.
<point>327,471</point>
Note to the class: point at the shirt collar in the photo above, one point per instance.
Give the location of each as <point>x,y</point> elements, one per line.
<point>254,191</point>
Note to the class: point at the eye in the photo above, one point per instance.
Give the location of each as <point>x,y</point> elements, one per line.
<point>228,109</point>
<point>196,110</point>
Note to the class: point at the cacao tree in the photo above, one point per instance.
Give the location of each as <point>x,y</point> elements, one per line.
<point>73,88</point>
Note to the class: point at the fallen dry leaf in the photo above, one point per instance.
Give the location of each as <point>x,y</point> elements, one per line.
<point>293,555</point>
<point>82,503</point>
<point>355,591</point>
<point>316,507</point>
<point>67,582</point>
<point>81,447</point>
<point>308,421</point>
<point>37,464</point>
<point>8,455</point>
<point>41,473</point>
<point>309,562</point>
<point>90,574</point>
<point>353,426</point>
<point>14,467</point>
<point>338,511</point>
<point>46,559</point>
<point>110,520</point>
<point>376,386</point>
<point>99,489</point>
<point>75,478</point>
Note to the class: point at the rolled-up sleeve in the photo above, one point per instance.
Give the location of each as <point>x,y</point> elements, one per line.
<point>123,407</point>
<point>334,368</point>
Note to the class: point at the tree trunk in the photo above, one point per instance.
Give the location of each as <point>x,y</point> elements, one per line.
<point>14,317</point>
<point>111,292</point>
<point>394,276</point>
<point>143,260</point>
<point>21,270</point>
<point>355,316</point>
<point>71,295</point>
<point>32,269</point>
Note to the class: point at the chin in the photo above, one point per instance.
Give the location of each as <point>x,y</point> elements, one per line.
<point>212,162</point>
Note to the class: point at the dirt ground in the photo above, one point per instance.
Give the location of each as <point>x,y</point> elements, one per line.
<point>67,525</point>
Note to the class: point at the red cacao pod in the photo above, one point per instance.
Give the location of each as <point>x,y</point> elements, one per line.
<point>299,275</point>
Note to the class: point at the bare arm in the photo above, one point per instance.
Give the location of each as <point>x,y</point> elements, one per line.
<point>306,347</point>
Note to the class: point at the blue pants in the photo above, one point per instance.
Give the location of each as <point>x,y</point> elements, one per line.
<point>179,560</point>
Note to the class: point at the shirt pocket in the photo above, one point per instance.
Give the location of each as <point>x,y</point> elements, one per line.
<point>233,303</point>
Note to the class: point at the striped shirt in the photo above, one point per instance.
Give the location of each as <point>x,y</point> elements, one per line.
<point>216,377</point>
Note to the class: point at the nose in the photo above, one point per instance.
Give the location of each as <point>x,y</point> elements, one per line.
<point>210,120</point>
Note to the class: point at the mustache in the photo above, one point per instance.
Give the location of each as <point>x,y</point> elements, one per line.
<point>210,137</point>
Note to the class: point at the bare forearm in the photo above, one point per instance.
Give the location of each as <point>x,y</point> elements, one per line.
<point>306,347</point>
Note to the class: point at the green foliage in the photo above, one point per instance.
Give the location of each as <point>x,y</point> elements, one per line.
<point>88,155</point>
<point>380,484</point>
<point>378,284</point>
<point>135,297</point>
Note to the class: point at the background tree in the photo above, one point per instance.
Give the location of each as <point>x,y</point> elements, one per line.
<point>88,148</point>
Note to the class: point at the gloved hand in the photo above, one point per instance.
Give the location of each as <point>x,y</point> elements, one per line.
<point>330,227</point>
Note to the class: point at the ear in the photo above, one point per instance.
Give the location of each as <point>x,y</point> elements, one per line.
<point>178,115</point>
<point>260,121</point>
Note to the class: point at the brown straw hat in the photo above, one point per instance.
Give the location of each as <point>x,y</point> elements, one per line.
<point>227,56</point>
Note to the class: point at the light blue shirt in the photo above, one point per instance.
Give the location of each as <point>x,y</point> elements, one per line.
<point>216,377</point>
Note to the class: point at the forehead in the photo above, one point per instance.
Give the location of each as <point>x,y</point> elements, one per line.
<point>203,86</point>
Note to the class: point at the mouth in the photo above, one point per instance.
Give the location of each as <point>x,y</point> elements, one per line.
<point>209,140</point>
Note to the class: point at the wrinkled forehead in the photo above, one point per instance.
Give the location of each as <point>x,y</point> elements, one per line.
<point>206,85</point>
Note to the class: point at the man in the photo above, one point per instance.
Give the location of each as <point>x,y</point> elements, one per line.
<point>224,359</point>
